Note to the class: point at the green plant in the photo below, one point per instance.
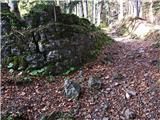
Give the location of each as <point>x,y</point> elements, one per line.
<point>10,65</point>
<point>37,72</point>
<point>103,25</point>
<point>70,70</point>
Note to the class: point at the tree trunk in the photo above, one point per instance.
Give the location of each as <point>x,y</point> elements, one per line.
<point>76,10</point>
<point>82,8</point>
<point>136,8</point>
<point>87,8</point>
<point>131,8</point>
<point>120,15</point>
<point>93,11</point>
<point>151,11</point>
<point>141,9</point>
<point>14,7</point>
<point>55,16</point>
<point>57,2</point>
<point>99,6</point>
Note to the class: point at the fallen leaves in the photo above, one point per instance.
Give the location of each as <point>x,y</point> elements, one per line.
<point>135,79</point>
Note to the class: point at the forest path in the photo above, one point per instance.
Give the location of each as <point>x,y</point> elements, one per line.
<point>130,76</point>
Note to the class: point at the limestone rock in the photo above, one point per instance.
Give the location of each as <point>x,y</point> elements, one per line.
<point>94,82</point>
<point>72,90</point>
<point>129,114</point>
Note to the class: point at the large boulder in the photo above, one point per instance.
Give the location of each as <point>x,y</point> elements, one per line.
<point>56,46</point>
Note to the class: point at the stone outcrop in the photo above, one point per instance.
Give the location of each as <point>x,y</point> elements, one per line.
<point>56,46</point>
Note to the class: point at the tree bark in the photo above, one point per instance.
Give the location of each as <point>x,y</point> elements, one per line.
<point>87,8</point>
<point>151,11</point>
<point>55,15</point>
<point>82,7</point>
<point>120,15</point>
<point>99,8</point>
<point>136,8</point>
<point>14,7</point>
<point>57,1</point>
<point>93,11</point>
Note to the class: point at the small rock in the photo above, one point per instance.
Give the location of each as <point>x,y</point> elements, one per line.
<point>108,90</point>
<point>118,76</point>
<point>106,77</point>
<point>141,50</point>
<point>88,116</point>
<point>156,63</point>
<point>158,82</point>
<point>131,92</point>
<point>129,114</point>
<point>116,84</point>
<point>127,95</point>
<point>94,82</point>
<point>106,118</point>
<point>23,93</point>
<point>106,106</point>
<point>71,90</point>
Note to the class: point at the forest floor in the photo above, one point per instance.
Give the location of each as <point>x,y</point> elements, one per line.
<point>138,90</point>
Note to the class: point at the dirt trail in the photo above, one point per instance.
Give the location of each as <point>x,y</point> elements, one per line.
<point>135,62</point>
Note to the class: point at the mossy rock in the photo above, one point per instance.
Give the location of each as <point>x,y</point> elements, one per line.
<point>58,116</point>
<point>69,19</point>
<point>69,29</point>
<point>11,19</point>
<point>15,116</point>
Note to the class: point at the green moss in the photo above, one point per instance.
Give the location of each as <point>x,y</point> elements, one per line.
<point>69,19</point>
<point>123,30</point>
<point>100,39</point>
<point>103,25</point>
<point>26,7</point>
<point>12,20</point>
<point>19,62</point>
<point>156,6</point>
<point>68,26</point>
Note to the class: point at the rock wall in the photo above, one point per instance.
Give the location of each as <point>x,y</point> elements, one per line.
<point>53,46</point>
<point>42,47</point>
<point>136,27</point>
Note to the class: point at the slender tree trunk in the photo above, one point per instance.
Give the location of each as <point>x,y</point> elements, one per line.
<point>82,8</point>
<point>57,2</point>
<point>87,8</point>
<point>14,7</point>
<point>131,8</point>
<point>55,16</point>
<point>136,8</point>
<point>93,11</point>
<point>151,11</point>
<point>99,6</point>
<point>141,9</point>
<point>120,15</point>
<point>76,11</point>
